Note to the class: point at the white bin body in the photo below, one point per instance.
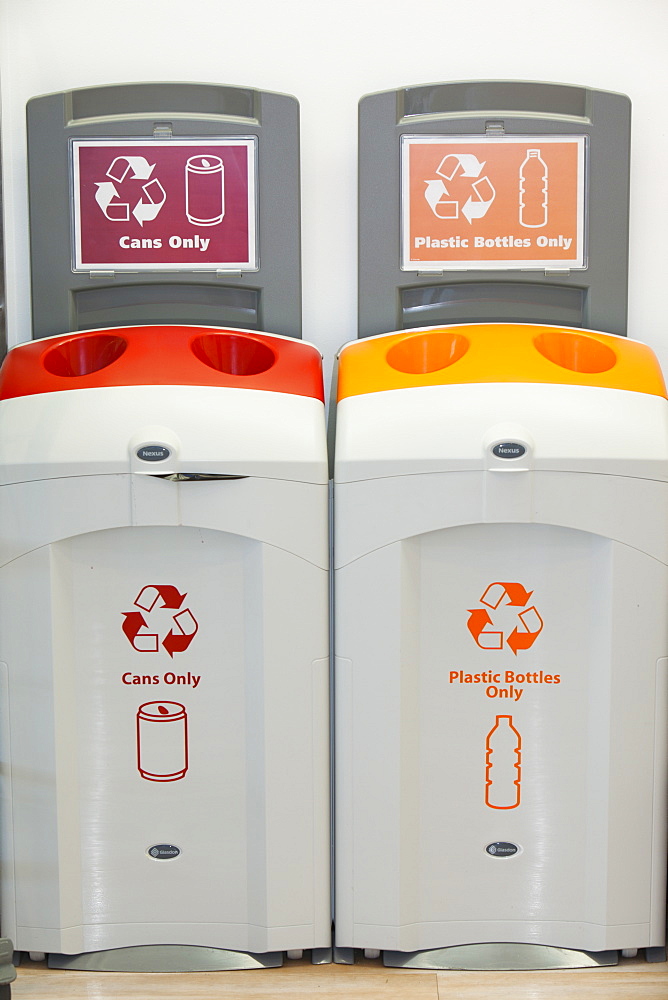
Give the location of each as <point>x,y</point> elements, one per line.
<point>165,676</point>
<point>501,668</point>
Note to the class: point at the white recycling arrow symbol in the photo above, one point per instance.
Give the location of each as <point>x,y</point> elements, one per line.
<point>436,194</point>
<point>146,211</point>
<point>107,195</point>
<point>470,164</point>
<point>104,196</point>
<point>140,167</point>
<point>475,208</point>
<point>441,202</point>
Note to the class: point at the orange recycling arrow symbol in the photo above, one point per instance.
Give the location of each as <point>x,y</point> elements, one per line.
<point>524,629</point>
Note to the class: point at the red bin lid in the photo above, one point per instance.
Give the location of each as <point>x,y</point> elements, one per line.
<point>163,355</point>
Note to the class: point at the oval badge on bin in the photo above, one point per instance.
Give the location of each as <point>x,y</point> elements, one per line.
<point>163,852</point>
<point>502,849</point>
<point>509,449</point>
<point>153,453</point>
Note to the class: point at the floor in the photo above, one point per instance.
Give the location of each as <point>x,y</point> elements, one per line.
<point>632,979</point>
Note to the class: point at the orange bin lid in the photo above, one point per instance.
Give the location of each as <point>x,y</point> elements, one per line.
<point>163,355</point>
<point>497,352</point>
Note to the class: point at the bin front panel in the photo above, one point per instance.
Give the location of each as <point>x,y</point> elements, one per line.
<point>497,732</point>
<point>169,741</point>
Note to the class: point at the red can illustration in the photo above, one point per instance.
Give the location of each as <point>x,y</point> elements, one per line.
<point>162,741</point>
<point>205,190</point>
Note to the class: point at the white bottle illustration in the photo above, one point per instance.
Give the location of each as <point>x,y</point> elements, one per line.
<point>503,758</point>
<point>533,191</point>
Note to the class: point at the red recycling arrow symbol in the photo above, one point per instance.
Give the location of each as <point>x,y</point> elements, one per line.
<point>149,596</point>
<point>178,642</point>
<point>184,625</point>
<point>143,642</point>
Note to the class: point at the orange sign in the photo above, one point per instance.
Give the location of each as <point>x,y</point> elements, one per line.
<point>493,203</point>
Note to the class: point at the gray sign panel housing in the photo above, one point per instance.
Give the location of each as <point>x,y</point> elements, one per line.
<point>227,149</point>
<point>484,119</point>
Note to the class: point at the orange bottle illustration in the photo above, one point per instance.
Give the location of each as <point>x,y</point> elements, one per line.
<point>503,775</point>
<point>533,191</point>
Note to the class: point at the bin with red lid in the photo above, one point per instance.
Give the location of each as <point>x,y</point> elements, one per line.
<point>164,625</point>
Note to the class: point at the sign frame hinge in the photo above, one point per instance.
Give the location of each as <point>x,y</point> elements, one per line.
<point>163,130</point>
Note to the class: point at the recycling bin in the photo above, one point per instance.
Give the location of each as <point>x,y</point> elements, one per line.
<point>501,527</point>
<point>164,648</point>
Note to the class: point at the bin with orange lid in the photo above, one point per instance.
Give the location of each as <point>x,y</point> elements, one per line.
<point>501,634</point>
<point>164,625</point>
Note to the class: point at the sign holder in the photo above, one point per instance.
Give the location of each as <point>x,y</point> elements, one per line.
<point>159,203</point>
<point>493,200</point>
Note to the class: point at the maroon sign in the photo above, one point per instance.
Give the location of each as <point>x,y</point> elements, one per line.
<point>164,205</point>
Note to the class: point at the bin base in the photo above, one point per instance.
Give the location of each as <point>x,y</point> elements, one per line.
<point>346,956</point>
<point>7,965</point>
<point>499,958</point>
<point>321,956</point>
<point>165,958</point>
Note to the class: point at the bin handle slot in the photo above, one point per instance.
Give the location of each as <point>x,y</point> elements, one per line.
<point>193,477</point>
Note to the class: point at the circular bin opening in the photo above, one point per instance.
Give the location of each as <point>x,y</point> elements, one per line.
<point>233,354</point>
<point>575,352</point>
<point>427,352</point>
<point>84,355</point>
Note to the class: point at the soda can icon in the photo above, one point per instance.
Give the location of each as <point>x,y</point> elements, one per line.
<point>162,741</point>
<point>205,190</point>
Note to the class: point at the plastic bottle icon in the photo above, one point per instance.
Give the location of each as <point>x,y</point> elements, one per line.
<point>205,190</point>
<point>503,775</point>
<point>533,191</point>
<point>162,741</point>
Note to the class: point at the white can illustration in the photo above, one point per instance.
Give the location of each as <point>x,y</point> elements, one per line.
<point>162,741</point>
<point>205,190</point>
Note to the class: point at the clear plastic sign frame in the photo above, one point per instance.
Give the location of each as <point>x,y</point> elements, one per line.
<point>493,203</point>
<point>164,205</point>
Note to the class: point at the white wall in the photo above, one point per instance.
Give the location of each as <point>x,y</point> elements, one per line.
<point>329,54</point>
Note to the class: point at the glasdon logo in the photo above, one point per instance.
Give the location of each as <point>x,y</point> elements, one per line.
<point>153,453</point>
<point>163,852</point>
<point>509,449</point>
<point>502,849</point>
